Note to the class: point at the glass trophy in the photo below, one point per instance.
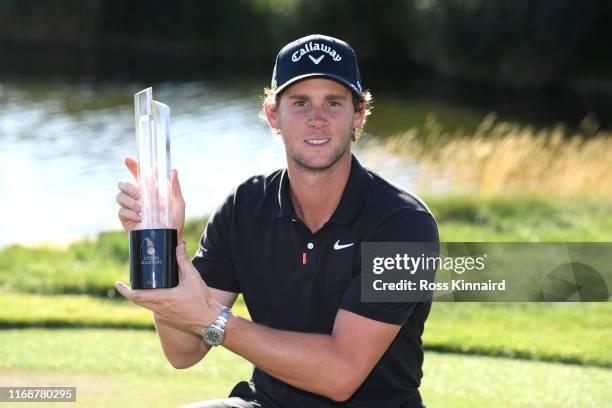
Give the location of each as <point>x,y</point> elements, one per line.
<point>153,246</point>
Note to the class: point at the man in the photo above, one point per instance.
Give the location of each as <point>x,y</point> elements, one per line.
<point>290,243</point>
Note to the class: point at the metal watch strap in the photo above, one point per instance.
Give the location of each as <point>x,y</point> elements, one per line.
<point>223,318</point>
<point>219,323</point>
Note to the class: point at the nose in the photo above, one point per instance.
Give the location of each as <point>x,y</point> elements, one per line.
<point>316,117</point>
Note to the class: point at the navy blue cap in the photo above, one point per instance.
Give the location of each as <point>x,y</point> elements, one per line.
<point>316,56</point>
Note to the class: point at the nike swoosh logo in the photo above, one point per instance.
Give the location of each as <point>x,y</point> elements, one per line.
<point>316,60</point>
<point>338,246</point>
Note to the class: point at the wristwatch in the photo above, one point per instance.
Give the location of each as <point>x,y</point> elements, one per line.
<point>213,334</point>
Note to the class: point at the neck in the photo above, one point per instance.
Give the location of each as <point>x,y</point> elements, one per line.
<point>315,194</point>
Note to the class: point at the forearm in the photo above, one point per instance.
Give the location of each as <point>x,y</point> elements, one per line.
<point>182,349</point>
<point>309,361</point>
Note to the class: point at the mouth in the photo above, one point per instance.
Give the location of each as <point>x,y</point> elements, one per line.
<point>317,142</point>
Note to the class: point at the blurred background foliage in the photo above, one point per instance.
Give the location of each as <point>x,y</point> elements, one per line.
<point>515,44</point>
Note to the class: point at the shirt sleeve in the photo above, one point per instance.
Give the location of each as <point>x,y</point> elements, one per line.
<point>405,226</point>
<point>214,256</point>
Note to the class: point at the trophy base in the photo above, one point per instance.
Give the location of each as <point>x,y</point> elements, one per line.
<point>153,259</point>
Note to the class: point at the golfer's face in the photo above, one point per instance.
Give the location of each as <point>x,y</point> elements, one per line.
<point>316,117</point>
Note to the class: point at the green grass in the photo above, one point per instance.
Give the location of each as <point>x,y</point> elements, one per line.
<point>111,367</point>
<point>30,310</point>
<point>579,333</point>
<point>91,266</point>
<point>88,266</point>
<point>459,381</point>
<point>525,218</point>
<point>573,333</point>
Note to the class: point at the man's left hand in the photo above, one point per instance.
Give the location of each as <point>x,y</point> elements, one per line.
<point>188,306</point>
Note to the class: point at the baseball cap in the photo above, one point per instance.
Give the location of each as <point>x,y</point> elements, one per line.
<point>316,55</point>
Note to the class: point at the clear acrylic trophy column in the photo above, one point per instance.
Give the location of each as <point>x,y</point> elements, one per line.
<point>153,246</point>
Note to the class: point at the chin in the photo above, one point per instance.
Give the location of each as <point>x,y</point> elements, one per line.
<point>319,163</point>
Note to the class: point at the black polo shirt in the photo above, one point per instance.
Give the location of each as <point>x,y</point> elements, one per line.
<point>292,279</point>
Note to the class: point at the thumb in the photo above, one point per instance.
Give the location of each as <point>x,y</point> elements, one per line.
<point>177,194</point>
<point>132,166</point>
<point>184,263</point>
<point>125,290</point>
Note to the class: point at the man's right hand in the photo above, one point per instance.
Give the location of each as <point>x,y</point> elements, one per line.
<point>129,201</point>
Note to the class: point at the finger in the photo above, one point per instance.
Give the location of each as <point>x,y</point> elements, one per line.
<point>125,290</point>
<point>128,202</point>
<point>177,194</point>
<point>126,214</point>
<point>186,268</point>
<point>181,275</point>
<point>142,297</point>
<point>132,166</point>
<point>130,189</point>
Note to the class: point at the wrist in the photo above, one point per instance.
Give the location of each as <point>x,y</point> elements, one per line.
<point>212,310</point>
<point>214,334</point>
<point>207,315</point>
<point>231,327</point>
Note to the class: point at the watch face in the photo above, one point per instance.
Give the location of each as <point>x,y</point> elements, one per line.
<point>213,337</point>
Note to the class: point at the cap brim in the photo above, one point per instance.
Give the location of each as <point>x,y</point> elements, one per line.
<point>336,78</point>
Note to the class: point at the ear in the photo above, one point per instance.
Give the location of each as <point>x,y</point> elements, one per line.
<point>272,114</point>
<point>359,118</point>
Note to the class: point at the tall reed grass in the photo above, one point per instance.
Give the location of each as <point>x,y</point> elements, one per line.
<point>508,157</point>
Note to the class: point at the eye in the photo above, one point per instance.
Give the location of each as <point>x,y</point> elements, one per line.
<point>300,103</point>
<point>334,104</point>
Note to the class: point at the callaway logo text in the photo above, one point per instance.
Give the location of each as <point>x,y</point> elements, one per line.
<point>309,47</point>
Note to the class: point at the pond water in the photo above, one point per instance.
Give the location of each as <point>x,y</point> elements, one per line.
<point>62,143</point>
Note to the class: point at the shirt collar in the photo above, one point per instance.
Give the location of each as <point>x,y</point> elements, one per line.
<point>352,200</point>
<point>285,207</point>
